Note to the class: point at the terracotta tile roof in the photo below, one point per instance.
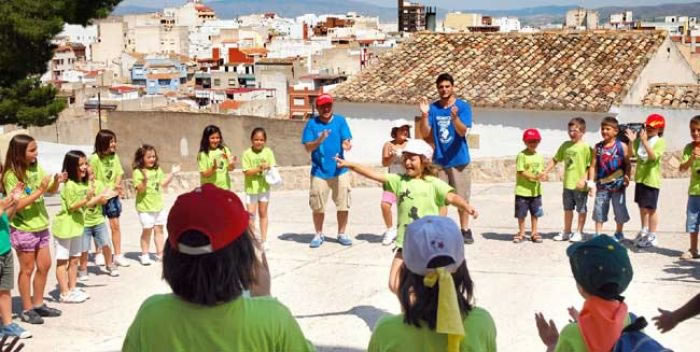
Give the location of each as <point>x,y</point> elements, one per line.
<point>678,96</point>
<point>581,71</point>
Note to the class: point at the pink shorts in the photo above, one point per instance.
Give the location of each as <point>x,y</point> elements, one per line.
<point>24,241</point>
<point>388,197</point>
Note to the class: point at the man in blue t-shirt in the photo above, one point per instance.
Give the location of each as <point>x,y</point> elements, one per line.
<point>447,122</point>
<point>327,136</point>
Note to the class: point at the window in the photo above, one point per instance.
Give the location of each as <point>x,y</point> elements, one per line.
<point>299,101</point>
<point>232,82</point>
<point>217,82</point>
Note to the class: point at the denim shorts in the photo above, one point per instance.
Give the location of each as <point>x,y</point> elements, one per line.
<point>692,213</point>
<point>99,233</point>
<point>575,199</point>
<point>113,208</point>
<point>531,204</point>
<point>601,208</point>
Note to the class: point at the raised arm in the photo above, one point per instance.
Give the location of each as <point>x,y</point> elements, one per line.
<point>362,170</point>
<point>424,124</point>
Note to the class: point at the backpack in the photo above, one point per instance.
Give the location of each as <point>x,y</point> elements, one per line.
<point>634,340</point>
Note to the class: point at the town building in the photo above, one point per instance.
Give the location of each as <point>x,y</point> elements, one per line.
<point>580,18</point>
<point>411,16</point>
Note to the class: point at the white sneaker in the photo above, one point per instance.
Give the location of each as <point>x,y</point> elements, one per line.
<point>640,236</point>
<point>650,240</point>
<point>112,271</point>
<point>562,236</point>
<point>71,297</point>
<point>121,261</point>
<point>389,236</point>
<point>83,276</point>
<point>81,293</point>
<point>145,259</point>
<point>99,259</point>
<point>576,237</point>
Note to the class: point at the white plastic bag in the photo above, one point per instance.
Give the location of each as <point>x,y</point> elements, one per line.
<point>272,176</point>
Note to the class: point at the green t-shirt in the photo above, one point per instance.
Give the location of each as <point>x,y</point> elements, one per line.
<point>5,245</point>
<point>251,160</point>
<point>648,171</point>
<point>106,169</point>
<point>151,200</point>
<point>167,323</point>
<point>533,164</point>
<point>221,177</point>
<point>94,215</point>
<point>577,158</point>
<point>416,198</point>
<point>391,334</point>
<point>70,223</point>
<point>571,340</point>
<point>34,217</point>
<point>694,188</point>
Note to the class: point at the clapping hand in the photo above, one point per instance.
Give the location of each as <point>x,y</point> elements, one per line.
<point>549,334</point>
<point>666,321</point>
<point>423,105</point>
<point>574,314</point>
<point>643,137</point>
<point>631,135</point>
<point>323,135</point>
<point>454,112</point>
<point>44,185</point>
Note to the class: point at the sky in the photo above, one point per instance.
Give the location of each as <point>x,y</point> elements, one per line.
<point>462,4</point>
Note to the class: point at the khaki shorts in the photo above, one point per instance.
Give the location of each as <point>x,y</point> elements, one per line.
<point>318,194</point>
<point>460,178</point>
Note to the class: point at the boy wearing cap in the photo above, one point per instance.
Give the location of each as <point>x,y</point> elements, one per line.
<point>436,295</point>
<point>210,263</point>
<point>691,161</point>
<point>528,188</point>
<point>391,158</point>
<point>577,156</point>
<point>602,271</point>
<point>327,136</point>
<point>649,147</point>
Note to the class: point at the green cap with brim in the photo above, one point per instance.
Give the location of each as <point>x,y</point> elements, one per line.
<point>601,266</point>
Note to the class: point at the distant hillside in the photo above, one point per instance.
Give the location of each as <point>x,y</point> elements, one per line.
<point>647,13</point>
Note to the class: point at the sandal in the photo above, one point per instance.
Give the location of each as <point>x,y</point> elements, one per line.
<point>690,254</point>
<point>535,237</point>
<point>518,238</point>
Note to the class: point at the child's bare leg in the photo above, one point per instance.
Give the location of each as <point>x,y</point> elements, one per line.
<point>619,227</point>
<point>581,222</point>
<point>83,261</point>
<point>694,241</point>
<point>644,217</point>
<point>568,219</point>
<point>62,275</point>
<point>533,224</point>
<point>73,272</point>
<point>116,235</point>
<point>598,227</point>
<point>158,240</point>
<point>107,251</point>
<point>386,215</point>
<point>6,307</point>
<point>252,209</point>
<point>262,212</point>
<point>653,220</point>
<point>395,272</point>
<point>145,240</point>
<point>521,227</point>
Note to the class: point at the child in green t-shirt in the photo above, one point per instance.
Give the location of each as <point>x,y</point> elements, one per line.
<point>649,147</point>
<point>257,160</point>
<point>215,160</point>
<point>419,193</point>
<point>691,161</point>
<point>149,181</point>
<point>577,156</point>
<point>528,188</point>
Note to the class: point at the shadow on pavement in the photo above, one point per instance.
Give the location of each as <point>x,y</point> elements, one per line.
<point>297,237</point>
<point>684,270</point>
<point>369,237</point>
<point>657,250</point>
<point>369,314</point>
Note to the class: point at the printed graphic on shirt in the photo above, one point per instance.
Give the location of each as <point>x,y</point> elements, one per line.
<point>443,123</point>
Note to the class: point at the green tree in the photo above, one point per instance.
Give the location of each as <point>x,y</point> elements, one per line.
<point>26,30</point>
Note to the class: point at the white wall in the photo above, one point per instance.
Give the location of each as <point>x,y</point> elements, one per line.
<point>664,67</point>
<point>500,131</point>
<point>677,132</point>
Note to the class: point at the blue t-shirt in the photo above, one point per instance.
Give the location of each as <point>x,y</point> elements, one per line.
<point>451,149</point>
<point>323,164</point>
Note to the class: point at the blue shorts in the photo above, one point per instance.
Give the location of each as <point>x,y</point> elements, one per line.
<point>99,233</point>
<point>692,213</point>
<point>113,208</point>
<point>531,204</point>
<point>575,199</point>
<point>601,208</point>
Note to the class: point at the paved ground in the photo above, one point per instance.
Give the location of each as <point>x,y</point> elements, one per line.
<point>338,293</point>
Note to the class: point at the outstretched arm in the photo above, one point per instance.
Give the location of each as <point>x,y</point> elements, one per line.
<point>461,204</point>
<point>362,170</point>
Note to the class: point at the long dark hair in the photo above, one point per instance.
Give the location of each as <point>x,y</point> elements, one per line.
<point>102,141</point>
<point>139,162</point>
<point>208,131</point>
<point>419,303</point>
<point>16,157</point>
<point>213,278</point>
<point>71,166</point>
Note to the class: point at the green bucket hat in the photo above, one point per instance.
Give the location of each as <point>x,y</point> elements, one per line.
<point>601,266</point>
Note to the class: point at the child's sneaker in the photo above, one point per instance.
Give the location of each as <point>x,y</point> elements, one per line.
<point>640,236</point>
<point>81,293</point>
<point>72,297</point>
<point>690,254</point>
<point>99,259</point>
<point>145,259</point>
<point>576,237</point>
<point>31,316</point>
<point>112,271</point>
<point>562,236</point>
<point>389,236</point>
<point>467,236</point>
<point>344,239</point>
<point>83,275</point>
<point>13,329</point>
<point>650,240</point>
<point>46,311</point>
<point>121,261</point>
<point>619,236</point>
<point>317,241</point>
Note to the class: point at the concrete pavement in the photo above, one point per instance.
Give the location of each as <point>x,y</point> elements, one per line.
<point>337,293</point>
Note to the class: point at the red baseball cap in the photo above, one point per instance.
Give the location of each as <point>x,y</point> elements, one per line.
<point>324,99</point>
<point>531,134</point>
<point>656,121</point>
<point>217,213</point>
